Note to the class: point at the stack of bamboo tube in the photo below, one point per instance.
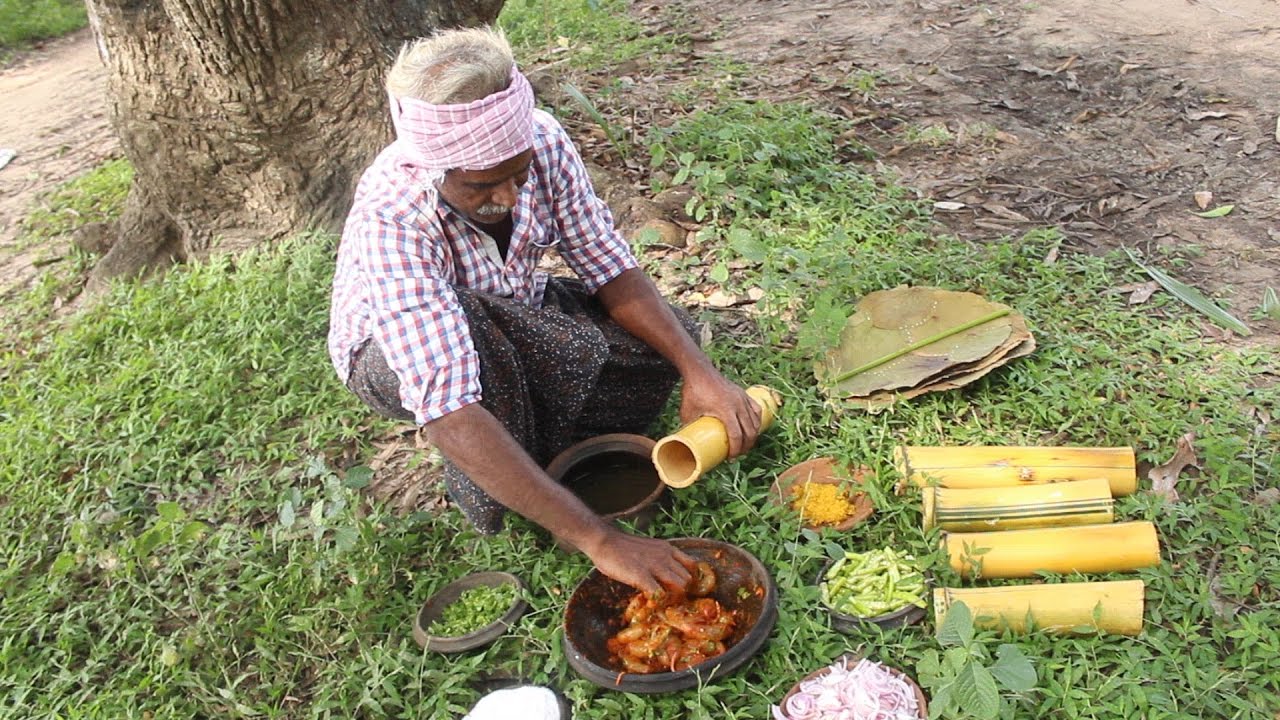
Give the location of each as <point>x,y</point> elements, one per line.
<point>1011,512</point>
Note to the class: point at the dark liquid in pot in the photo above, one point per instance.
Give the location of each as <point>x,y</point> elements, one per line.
<point>612,482</point>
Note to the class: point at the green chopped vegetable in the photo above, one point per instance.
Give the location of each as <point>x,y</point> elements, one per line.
<point>873,583</point>
<point>474,609</point>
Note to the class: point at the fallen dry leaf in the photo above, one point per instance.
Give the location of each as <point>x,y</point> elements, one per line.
<point>1204,198</point>
<point>1223,607</point>
<point>1084,116</point>
<point>1164,477</point>
<point>1143,292</point>
<point>705,334</point>
<point>721,299</point>
<point>1270,496</point>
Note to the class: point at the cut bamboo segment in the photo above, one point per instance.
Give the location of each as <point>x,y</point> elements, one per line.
<point>978,467</point>
<point>1079,502</point>
<point>1114,607</point>
<point>1084,549</point>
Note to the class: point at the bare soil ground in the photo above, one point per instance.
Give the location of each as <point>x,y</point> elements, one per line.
<point>1101,117</point>
<point>54,116</point>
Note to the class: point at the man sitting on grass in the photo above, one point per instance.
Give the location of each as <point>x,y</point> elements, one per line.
<point>439,315</point>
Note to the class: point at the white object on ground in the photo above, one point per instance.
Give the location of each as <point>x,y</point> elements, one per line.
<point>529,702</point>
<point>6,155</point>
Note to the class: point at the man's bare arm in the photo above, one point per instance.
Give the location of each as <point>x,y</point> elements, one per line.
<point>634,303</point>
<point>474,440</point>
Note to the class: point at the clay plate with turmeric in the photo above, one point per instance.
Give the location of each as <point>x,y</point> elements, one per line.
<point>814,490</point>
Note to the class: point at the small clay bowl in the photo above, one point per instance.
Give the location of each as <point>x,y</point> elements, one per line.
<point>850,661</point>
<point>824,471</point>
<point>850,624</point>
<point>614,476</point>
<point>434,608</point>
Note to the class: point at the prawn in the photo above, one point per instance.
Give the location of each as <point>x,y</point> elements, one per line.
<point>673,630</point>
<point>704,580</point>
<point>633,665</point>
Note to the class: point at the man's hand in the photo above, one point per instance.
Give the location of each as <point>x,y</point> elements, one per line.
<point>483,449</point>
<point>712,394</point>
<point>634,303</point>
<point>645,564</point>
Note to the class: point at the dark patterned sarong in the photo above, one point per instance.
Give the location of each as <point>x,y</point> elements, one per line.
<point>552,376</point>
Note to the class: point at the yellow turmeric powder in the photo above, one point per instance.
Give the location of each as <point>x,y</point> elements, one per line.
<point>820,503</point>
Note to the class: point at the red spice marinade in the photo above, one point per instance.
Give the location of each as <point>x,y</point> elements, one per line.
<point>673,631</point>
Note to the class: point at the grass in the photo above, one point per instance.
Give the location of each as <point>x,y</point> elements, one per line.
<point>590,34</point>
<point>25,21</point>
<point>96,196</point>
<point>183,534</point>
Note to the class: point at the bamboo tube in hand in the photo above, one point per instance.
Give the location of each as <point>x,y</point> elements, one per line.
<point>684,455</point>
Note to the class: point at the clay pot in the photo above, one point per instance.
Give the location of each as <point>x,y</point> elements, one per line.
<point>594,614</point>
<point>614,476</point>
<point>435,606</point>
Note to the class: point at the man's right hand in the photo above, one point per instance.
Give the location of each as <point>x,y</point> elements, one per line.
<point>482,448</point>
<point>646,564</point>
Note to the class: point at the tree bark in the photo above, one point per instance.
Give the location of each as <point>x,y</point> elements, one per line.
<point>246,121</point>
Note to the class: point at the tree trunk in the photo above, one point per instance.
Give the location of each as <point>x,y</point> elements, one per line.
<point>250,120</point>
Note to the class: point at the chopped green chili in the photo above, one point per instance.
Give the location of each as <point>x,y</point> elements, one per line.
<point>474,609</point>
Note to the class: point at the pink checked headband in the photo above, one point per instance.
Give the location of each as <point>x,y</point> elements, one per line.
<point>473,136</point>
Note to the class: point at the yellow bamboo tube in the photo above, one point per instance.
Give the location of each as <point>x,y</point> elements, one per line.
<point>1084,549</point>
<point>1079,502</point>
<point>684,455</point>
<point>1114,607</point>
<point>977,467</point>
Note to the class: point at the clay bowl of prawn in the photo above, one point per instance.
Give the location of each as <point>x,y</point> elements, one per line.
<point>595,615</point>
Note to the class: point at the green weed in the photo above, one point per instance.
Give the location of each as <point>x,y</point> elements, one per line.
<point>22,21</point>
<point>864,82</point>
<point>96,196</point>
<point>933,136</point>
<point>585,105</point>
<point>590,33</point>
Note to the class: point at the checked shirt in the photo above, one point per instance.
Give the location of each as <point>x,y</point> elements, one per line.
<point>403,251</point>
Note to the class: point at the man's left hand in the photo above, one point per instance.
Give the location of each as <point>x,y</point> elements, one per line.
<point>713,395</point>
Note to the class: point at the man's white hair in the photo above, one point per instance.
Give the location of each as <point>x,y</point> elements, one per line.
<point>453,67</point>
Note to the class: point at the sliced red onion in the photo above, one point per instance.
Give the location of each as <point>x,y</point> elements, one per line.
<point>868,691</point>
